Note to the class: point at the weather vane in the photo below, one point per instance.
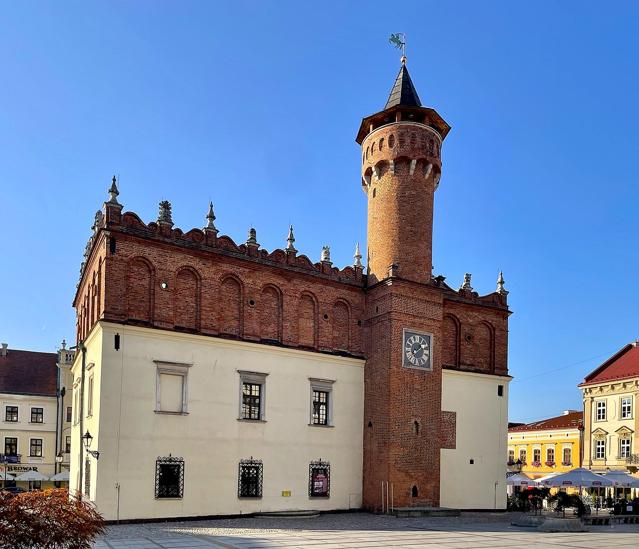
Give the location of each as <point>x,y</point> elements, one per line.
<point>399,41</point>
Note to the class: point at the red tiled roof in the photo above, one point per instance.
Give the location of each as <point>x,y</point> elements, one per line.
<point>622,365</point>
<point>571,420</point>
<point>28,372</point>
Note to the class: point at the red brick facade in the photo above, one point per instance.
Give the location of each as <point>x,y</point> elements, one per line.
<point>158,276</point>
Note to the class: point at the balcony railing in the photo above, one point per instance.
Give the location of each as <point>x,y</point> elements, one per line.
<point>10,458</point>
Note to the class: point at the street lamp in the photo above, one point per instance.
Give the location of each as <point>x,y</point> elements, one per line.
<point>88,439</point>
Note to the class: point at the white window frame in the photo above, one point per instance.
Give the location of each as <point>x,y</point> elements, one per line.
<point>599,408</point>
<point>31,439</point>
<point>628,410</point>
<point>563,454</point>
<point>257,378</point>
<point>600,443</point>
<point>554,457</point>
<point>325,385</point>
<point>628,440</point>
<point>174,369</point>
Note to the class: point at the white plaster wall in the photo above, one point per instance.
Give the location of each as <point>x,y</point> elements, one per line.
<point>130,435</point>
<point>482,428</point>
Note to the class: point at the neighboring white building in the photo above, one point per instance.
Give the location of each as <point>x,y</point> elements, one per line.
<point>190,425</point>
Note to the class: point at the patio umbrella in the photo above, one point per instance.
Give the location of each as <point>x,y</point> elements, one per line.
<point>543,481</point>
<point>62,476</point>
<point>6,476</point>
<point>579,477</point>
<point>31,475</point>
<point>519,480</point>
<point>622,479</point>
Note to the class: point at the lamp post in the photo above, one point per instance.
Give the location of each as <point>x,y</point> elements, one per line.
<point>88,439</point>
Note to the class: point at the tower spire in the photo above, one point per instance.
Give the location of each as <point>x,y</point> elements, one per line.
<point>113,191</point>
<point>210,217</point>
<point>290,239</point>
<point>357,256</point>
<point>403,93</point>
<point>500,284</point>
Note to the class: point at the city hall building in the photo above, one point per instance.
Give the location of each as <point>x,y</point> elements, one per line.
<point>218,378</point>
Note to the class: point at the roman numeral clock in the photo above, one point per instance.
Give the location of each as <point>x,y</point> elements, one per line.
<point>417,350</point>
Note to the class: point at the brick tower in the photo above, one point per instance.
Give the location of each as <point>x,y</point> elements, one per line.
<point>403,428</point>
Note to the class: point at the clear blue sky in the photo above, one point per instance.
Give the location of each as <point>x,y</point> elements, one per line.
<point>255,105</point>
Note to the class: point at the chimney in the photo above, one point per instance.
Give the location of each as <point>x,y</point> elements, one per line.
<point>3,351</point>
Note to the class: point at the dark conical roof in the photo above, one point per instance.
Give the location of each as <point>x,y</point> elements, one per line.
<point>403,92</point>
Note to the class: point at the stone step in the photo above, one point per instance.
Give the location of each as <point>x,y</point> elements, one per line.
<point>403,512</point>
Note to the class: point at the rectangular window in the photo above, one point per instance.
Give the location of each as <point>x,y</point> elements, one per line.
<point>626,408</point>
<point>171,387</point>
<point>35,447</point>
<point>321,401</point>
<point>252,395</point>
<point>500,390</point>
<point>249,483</point>
<point>567,460</point>
<point>550,455</point>
<point>37,415</point>
<point>11,446</point>
<point>319,479</point>
<point>537,455</point>
<point>169,477</point>
<point>251,401</point>
<point>600,449</point>
<point>11,414</point>
<point>624,448</point>
<point>90,397</point>
<point>67,445</point>
<point>320,407</point>
<point>522,456</point>
<point>69,414</point>
<point>511,456</point>
<point>601,410</point>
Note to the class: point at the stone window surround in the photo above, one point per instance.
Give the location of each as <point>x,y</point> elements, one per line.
<point>631,411</point>
<point>258,378</point>
<point>326,385</point>
<point>597,409</point>
<point>176,369</point>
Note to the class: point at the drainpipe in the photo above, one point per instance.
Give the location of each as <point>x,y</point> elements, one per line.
<point>82,349</point>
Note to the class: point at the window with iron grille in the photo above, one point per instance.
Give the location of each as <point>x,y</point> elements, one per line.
<point>67,445</point>
<point>624,448</point>
<point>169,477</point>
<point>251,400</point>
<point>11,446</point>
<point>249,482</point>
<point>37,415</point>
<point>320,407</point>
<point>35,447</point>
<point>11,413</point>
<point>319,479</point>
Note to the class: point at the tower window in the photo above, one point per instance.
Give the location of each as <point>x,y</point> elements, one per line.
<point>374,192</point>
<point>500,390</point>
<point>414,492</point>
<point>381,143</point>
<point>391,141</point>
<point>416,427</point>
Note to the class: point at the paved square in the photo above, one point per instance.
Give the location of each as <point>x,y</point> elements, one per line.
<point>358,531</point>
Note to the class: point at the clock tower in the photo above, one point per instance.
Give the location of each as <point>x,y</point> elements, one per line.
<point>404,422</point>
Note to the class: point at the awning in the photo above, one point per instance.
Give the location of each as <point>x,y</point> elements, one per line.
<point>6,476</point>
<point>62,476</point>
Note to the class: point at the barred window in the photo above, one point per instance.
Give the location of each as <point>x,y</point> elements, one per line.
<point>35,448</point>
<point>251,400</point>
<point>37,415</point>
<point>11,413</point>
<point>319,479</point>
<point>249,484</point>
<point>169,477</point>
<point>320,407</point>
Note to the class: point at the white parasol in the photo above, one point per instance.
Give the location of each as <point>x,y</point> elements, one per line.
<point>31,475</point>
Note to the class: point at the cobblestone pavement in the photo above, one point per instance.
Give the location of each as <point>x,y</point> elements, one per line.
<point>357,531</point>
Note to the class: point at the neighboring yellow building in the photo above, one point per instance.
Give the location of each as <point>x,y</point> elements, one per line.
<point>610,395</point>
<point>548,446</point>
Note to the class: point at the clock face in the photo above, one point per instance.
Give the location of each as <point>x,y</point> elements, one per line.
<point>417,350</point>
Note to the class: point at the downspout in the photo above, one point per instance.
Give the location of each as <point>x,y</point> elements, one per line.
<point>81,410</point>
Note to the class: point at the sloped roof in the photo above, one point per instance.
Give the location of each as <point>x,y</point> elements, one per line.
<point>403,92</point>
<point>28,372</point>
<point>622,365</point>
<point>571,420</point>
